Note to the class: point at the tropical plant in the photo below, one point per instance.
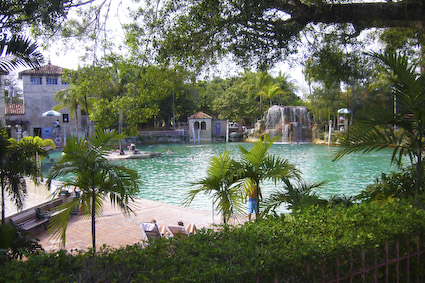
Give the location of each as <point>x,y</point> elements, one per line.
<point>220,184</point>
<point>257,165</point>
<point>17,160</point>
<point>97,178</point>
<point>14,243</point>
<point>71,98</point>
<point>402,128</point>
<point>271,91</point>
<point>18,51</point>
<point>396,185</point>
<point>257,84</point>
<point>296,197</point>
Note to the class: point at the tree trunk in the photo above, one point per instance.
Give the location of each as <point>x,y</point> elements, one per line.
<point>76,122</point>
<point>3,218</point>
<point>261,106</point>
<point>93,221</point>
<point>419,170</point>
<point>257,209</point>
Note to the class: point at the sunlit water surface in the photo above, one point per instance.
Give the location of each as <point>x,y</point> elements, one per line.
<point>168,178</point>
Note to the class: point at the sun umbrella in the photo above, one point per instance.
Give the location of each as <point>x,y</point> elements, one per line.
<point>344,111</point>
<point>51,113</point>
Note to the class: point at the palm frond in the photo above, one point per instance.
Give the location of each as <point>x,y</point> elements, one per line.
<point>18,51</point>
<point>59,221</point>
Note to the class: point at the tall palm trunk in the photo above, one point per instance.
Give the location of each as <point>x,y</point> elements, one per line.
<point>257,209</point>
<point>93,220</point>
<point>76,121</point>
<point>419,169</point>
<point>3,218</point>
<point>261,105</point>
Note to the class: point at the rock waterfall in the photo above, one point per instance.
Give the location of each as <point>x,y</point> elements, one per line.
<point>291,122</point>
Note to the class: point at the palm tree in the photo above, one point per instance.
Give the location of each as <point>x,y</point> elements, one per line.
<point>403,129</point>
<point>70,98</point>
<point>219,183</point>
<point>18,51</point>
<point>17,160</point>
<point>257,165</point>
<point>97,178</point>
<point>257,84</point>
<point>271,91</point>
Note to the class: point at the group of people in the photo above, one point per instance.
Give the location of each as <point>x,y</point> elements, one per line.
<point>191,228</point>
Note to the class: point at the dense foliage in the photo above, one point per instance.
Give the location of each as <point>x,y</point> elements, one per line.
<point>18,160</point>
<point>394,186</point>
<point>271,248</point>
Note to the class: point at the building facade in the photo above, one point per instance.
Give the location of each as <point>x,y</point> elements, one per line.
<point>39,87</point>
<point>204,128</point>
<point>2,101</point>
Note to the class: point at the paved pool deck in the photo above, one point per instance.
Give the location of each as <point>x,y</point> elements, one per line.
<point>116,230</point>
<point>112,227</point>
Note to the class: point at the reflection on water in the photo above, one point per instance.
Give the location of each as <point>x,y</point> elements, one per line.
<point>168,178</point>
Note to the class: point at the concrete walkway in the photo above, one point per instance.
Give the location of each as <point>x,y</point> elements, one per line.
<point>116,230</point>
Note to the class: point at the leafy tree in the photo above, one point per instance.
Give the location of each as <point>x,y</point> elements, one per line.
<point>96,177</point>
<point>236,103</point>
<point>15,16</point>
<point>205,31</point>
<point>17,160</point>
<point>404,129</point>
<point>220,184</point>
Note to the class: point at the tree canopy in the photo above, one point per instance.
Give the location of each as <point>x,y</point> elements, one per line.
<point>262,32</point>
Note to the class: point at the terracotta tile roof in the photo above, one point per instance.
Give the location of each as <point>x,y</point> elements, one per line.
<point>12,108</point>
<point>48,69</point>
<point>200,115</point>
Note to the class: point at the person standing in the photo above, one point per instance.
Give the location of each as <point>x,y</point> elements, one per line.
<point>252,201</point>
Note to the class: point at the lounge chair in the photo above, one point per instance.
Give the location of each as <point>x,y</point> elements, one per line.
<point>191,229</point>
<point>177,231</point>
<point>151,230</point>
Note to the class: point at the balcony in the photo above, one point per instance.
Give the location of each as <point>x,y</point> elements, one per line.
<point>14,109</point>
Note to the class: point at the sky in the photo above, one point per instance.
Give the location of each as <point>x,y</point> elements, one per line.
<point>64,56</point>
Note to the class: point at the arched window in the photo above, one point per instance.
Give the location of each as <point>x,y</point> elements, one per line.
<point>196,125</point>
<point>203,125</point>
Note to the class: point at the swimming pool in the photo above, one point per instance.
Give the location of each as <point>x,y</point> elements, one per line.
<point>168,178</point>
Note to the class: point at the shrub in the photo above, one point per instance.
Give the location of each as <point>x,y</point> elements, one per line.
<point>279,247</point>
<point>394,185</point>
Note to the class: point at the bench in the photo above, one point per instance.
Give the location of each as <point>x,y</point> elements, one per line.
<point>33,218</point>
<point>45,210</point>
<point>28,220</point>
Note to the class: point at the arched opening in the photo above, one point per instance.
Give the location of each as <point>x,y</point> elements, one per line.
<point>196,125</point>
<point>203,125</point>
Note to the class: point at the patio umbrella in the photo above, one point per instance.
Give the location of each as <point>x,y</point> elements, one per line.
<point>344,111</point>
<point>51,113</point>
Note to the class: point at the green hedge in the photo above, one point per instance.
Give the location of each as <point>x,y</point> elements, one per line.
<point>275,247</point>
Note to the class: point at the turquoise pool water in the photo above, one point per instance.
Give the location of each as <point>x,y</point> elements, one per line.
<point>168,178</point>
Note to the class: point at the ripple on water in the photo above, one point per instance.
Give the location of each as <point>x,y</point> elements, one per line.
<point>168,178</point>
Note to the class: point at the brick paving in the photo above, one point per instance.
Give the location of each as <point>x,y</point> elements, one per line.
<point>116,230</point>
